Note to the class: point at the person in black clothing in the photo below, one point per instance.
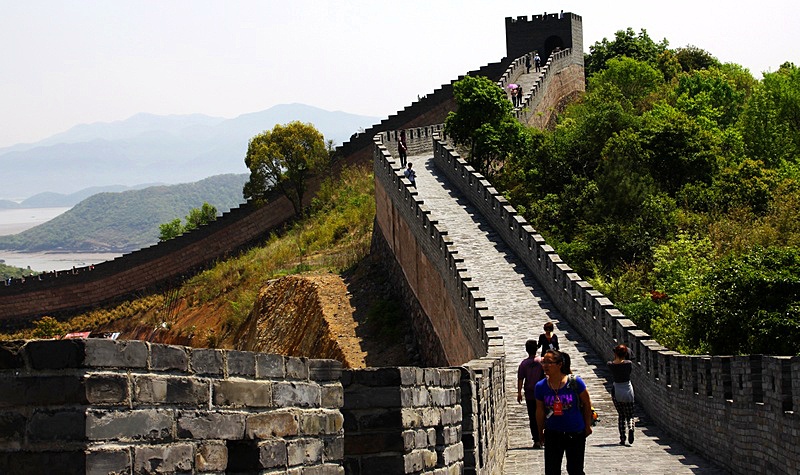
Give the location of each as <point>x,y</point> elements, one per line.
<point>548,340</point>
<point>402,148</point>
<point>622,392</point>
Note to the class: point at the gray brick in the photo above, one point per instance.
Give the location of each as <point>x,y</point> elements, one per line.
<point>332,396</point>
<point>296,394</point>
<point>103,353</point>
<point>304,451</point>
<point>211,456</point>
<point>65,425</point>
<point>270,366</point>
<point>40,390</point>
<point>108,461</point>
<point>12,426</point>
<point>207,361</point>
<point>171,390</point>
<point>324,370</point>
<point>272,454</point>
<point>106,389</point>
<point>280,423</point>
<point>211,425</point>
<point>163,458</point>
<point>55,354</point>
<point>238,393</point>
<point>296,368</point>
<point>146,424</point>
<point>169,357</point>
<point>11,354</point>
<point>241,363</point>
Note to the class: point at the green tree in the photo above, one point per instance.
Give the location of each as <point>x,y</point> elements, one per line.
<point>284,157</point>
<point>625,43</point>
<point>483,122</point>
<point>692,58</point>
<point>196,218</point>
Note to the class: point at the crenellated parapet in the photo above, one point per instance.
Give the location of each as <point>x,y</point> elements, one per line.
<point>727,402</point>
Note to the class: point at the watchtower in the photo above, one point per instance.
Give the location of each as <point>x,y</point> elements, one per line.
<point>544,33</point>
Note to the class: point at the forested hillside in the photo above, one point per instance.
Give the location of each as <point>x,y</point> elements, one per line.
<point>673,186</point>
<point>127,221</point>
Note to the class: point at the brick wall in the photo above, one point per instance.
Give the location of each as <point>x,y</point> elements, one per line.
<point>740,411</point>
<point>104,406</point>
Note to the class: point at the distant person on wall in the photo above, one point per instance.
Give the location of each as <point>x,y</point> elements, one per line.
<point>527,63</point>
<point>519,96</point>
<point>622,391</point>
<point>411,175</point>
<point>529,373</point>
<point>402,148</point>
<point>548,340</point>
<point>563,415</point>
<point>537,61</point>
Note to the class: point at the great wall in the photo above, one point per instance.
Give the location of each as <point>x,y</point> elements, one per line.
<point>103,406</point>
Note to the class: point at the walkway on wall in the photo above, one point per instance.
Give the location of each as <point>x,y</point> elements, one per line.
<point>520,309</point>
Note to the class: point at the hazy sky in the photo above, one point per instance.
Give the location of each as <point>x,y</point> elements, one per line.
<point>64,63</point>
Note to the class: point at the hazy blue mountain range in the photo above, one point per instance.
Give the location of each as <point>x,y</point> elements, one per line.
<point>148,148</point>
<point>126,221</point>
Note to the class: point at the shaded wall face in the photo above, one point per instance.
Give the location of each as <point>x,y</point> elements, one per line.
<point>543,34</point>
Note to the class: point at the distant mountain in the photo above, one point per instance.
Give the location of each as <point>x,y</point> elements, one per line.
<point>8,204</point>
<point>148,148</point>
<point>126,221</point>
<point>49,199</point>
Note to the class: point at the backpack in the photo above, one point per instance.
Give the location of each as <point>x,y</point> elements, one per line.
<point>573,385</point>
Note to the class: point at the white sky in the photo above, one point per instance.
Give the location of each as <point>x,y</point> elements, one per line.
<point>69,62</point>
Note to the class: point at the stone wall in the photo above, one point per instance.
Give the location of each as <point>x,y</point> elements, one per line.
<point>456,318</point>
<point>562,79</point>
<point>103,406</point>
<point>740,411</point>
<point>403,421</point>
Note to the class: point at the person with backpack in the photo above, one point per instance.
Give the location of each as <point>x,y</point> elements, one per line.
<point>537,61</point>
<point>563,414</point>
<point>529,373</point>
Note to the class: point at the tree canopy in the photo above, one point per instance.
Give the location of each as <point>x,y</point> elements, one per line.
<point>196,218</point>
<point>284,157</point>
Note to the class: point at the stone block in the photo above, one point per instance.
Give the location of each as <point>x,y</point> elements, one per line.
<point>320,423</point>
<point>106,389</point>
<point>241,363</point>
<point>211,425</point>
<point>108,461</point>
<point>296,368</point>
<point>163,458</point>
<point>49,425</point>
<point>411,376</point>
<point>332,396</point>
<point>11,354</point>
<point>281,423</point>
<point>239,393</point>
<point>373,443</point>
<point>211,456</point>
<point>169,357</point>
<point>270,366</point>
<point>304,451</point>
<point>41,390</point>
<point>55,354</point>
<point>207,361</point>
<point>372,419</point>
<point>334,449</point>
<point>137,425</point>
<point>324,370</point>
<point>12,426</point>
<point>24,463</point>
<point>171,390</point>
<point>104,353</point>
<point>296,394</point>
<point>369,397</point>
<point>272,454</point>
<point>384,464</point>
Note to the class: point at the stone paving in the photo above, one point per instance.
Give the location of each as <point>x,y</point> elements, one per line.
<point>521,308</point>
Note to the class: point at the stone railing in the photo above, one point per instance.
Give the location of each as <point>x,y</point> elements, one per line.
<point>455,308</point>
<point>737,410</point>
<point>106,406</point>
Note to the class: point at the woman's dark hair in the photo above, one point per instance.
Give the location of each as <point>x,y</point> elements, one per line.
<point>563,358</point>
<point>621,351</point>
<point>548,327</point>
